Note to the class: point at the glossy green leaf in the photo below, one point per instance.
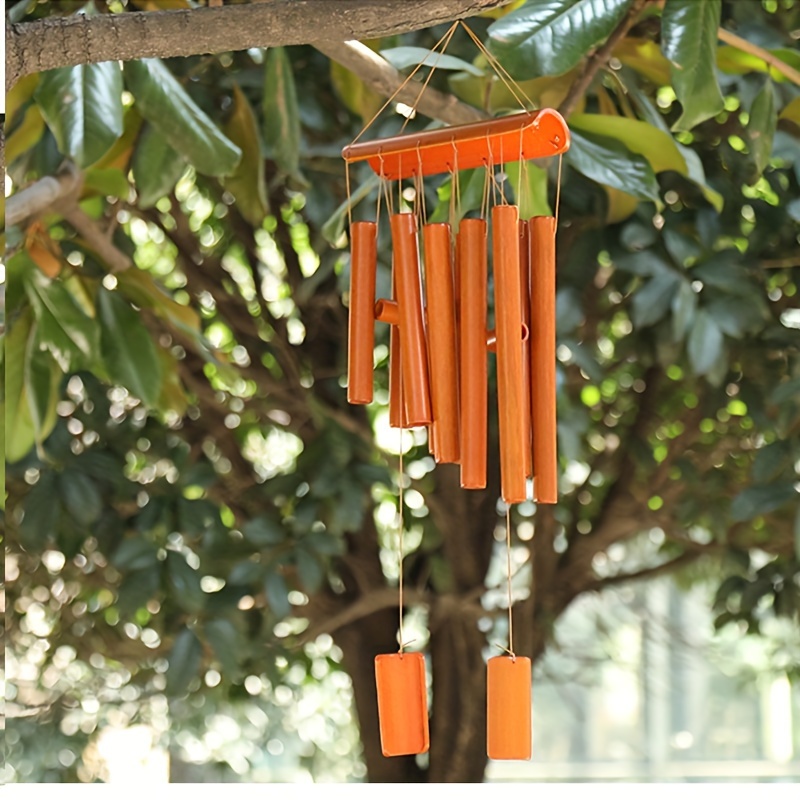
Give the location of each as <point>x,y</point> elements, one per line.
<point>651,302</point>
<point>82,106</point>
<point>277,594</point>
<point>402,57</point>
<point>757,500</point>
<point>263,532</point>
<point>64,327</point>
<point>81,496</point>
<point>226,643</point>
<point>164,103</point>
<point>25,135</point>
<point>128,350</point>
<point>281,117</point>
<point>549,37</point>
<point>705,343</point>
<point>656,145</point>
<point>684,305</point>
<point>107,182</point>
<point>184,581</point>
<point>761,127</point>
<point>248,183</point>
<point>609,162</point>
<point>689,41</point>
<point>156,166</point>
<point>184,662</point>
<point>42,377</point>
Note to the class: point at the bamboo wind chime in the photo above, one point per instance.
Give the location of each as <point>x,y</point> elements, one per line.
<point>438,371</point>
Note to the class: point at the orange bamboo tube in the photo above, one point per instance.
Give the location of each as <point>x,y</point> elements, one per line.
<point>442,341</point>
<point>361,326</point>
<point>508,314</point>
<point>543,357</point>
<point>525,295</point>
<point>413,347</point>
<point>402,703</point>
<point>508,707</point>
<point>398,418</point>
<point>491,338</point>
<point>472,273</point>
<point>387,311</point>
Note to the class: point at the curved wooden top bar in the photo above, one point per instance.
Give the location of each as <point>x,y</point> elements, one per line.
<point>531,134</point>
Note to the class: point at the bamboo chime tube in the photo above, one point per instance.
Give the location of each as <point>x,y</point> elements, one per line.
<point>442,340</point>
<point>472,274</point>
<point>508,324</point>
<point>397,412</point>
<point>361,331</point>
<point>413,346</point>
<point>402,703</point>
<point>508,707</point>
<point>525,295</point>
<point>542,237</point>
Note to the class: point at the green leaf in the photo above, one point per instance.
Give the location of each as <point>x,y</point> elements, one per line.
<point>610,163</point>
<point>689,41</point>
<point>771,460</point>
<point>309,570</point>
<point>108,182</point>
<point>333,229</point>
<point>684,305</point>
<point>530,189</point>
<point>705,343</point>
<point>737,315</point>
<point>184,663</point>
<point>761,127</point>
<point>263,532</point>
<point>64,328</point>
<point>42,378</point>
<point>797,534</point>
<point>184,583</point>
<point>156,167</point>
<point>277,594</point>
<point>281,118</point>
<point>128,351</point>
<point>164,103</point>
<point>82,106</point>
<point>136,588</point>
<point>81,496</point>
<point>549,37</point>
<point>135,553</point>
<point>247,184</point>
<point>42,513</point>
<point>652,301</point>
<point>656,145</point>
<point>757,500</point>
<point>792,111</point>
<point>25,135</point>
<point>226,643</point>
<point>402,57</point>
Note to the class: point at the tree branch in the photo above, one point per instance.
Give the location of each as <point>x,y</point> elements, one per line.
<point>682,560</point>
<point>82,39</point>
<point>97,240</point>
<point>41,195</point>
<point>383,78</point>
<point>600,58</point>
<point>748,47</point>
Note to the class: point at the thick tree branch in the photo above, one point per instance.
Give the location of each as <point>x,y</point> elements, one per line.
<point>82,39</point>
<point>383,78</point>
<point>748,47</point>
<point>41,195</point>
<point>684,559</point>
<point>600,58</point>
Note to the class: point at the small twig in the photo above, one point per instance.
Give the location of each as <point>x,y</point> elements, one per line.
<point>748,47</point>
<point>599,58</point>
<point>97,240</point>
<point>33,200</point>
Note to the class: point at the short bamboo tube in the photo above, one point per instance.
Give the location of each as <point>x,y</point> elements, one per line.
<point>508,708</point>
<point>508,324</point>
<point>542,235</point>
<point>402,703</point>
<point>442,341</point>
<point>413,346</point>
<point>472,277</point>
<point>361,323</point>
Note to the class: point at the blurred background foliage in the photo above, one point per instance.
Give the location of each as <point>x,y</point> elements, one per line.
<point>201,533</point>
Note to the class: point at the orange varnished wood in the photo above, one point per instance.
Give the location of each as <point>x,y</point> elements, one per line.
<point>402,703</point>
<point>442,341</point>
<point>508,708</point>
<point>543,358</point>
<point>472,273</point>
<point>508,321</point>
<point>398,418</point>
<point>531,134</point>
<point>387,311</point>
<point>525,299</point>
<point>361,325</point>
<point>413,345</point>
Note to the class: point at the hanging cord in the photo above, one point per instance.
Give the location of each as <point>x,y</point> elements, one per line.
<point>558,189</point>
<point>401,483</point>
<point>510,648</point>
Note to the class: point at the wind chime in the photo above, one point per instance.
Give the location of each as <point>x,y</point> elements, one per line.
<point>438,357</point>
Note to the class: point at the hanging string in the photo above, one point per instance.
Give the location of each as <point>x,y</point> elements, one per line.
<point>508,572</point>
<point>558,190</point>
<point>401,484</point>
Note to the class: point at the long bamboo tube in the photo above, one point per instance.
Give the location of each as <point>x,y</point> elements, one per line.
<point>398,418</point>
<point>413,347</point>
<point>508,707</point>
<point>525,299</point>
<point>361,324</point>
<point>543,357</point>
<point>442,343</point>
<point>472,274</point>
<point>402,703</point>
<point>508,324</point>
